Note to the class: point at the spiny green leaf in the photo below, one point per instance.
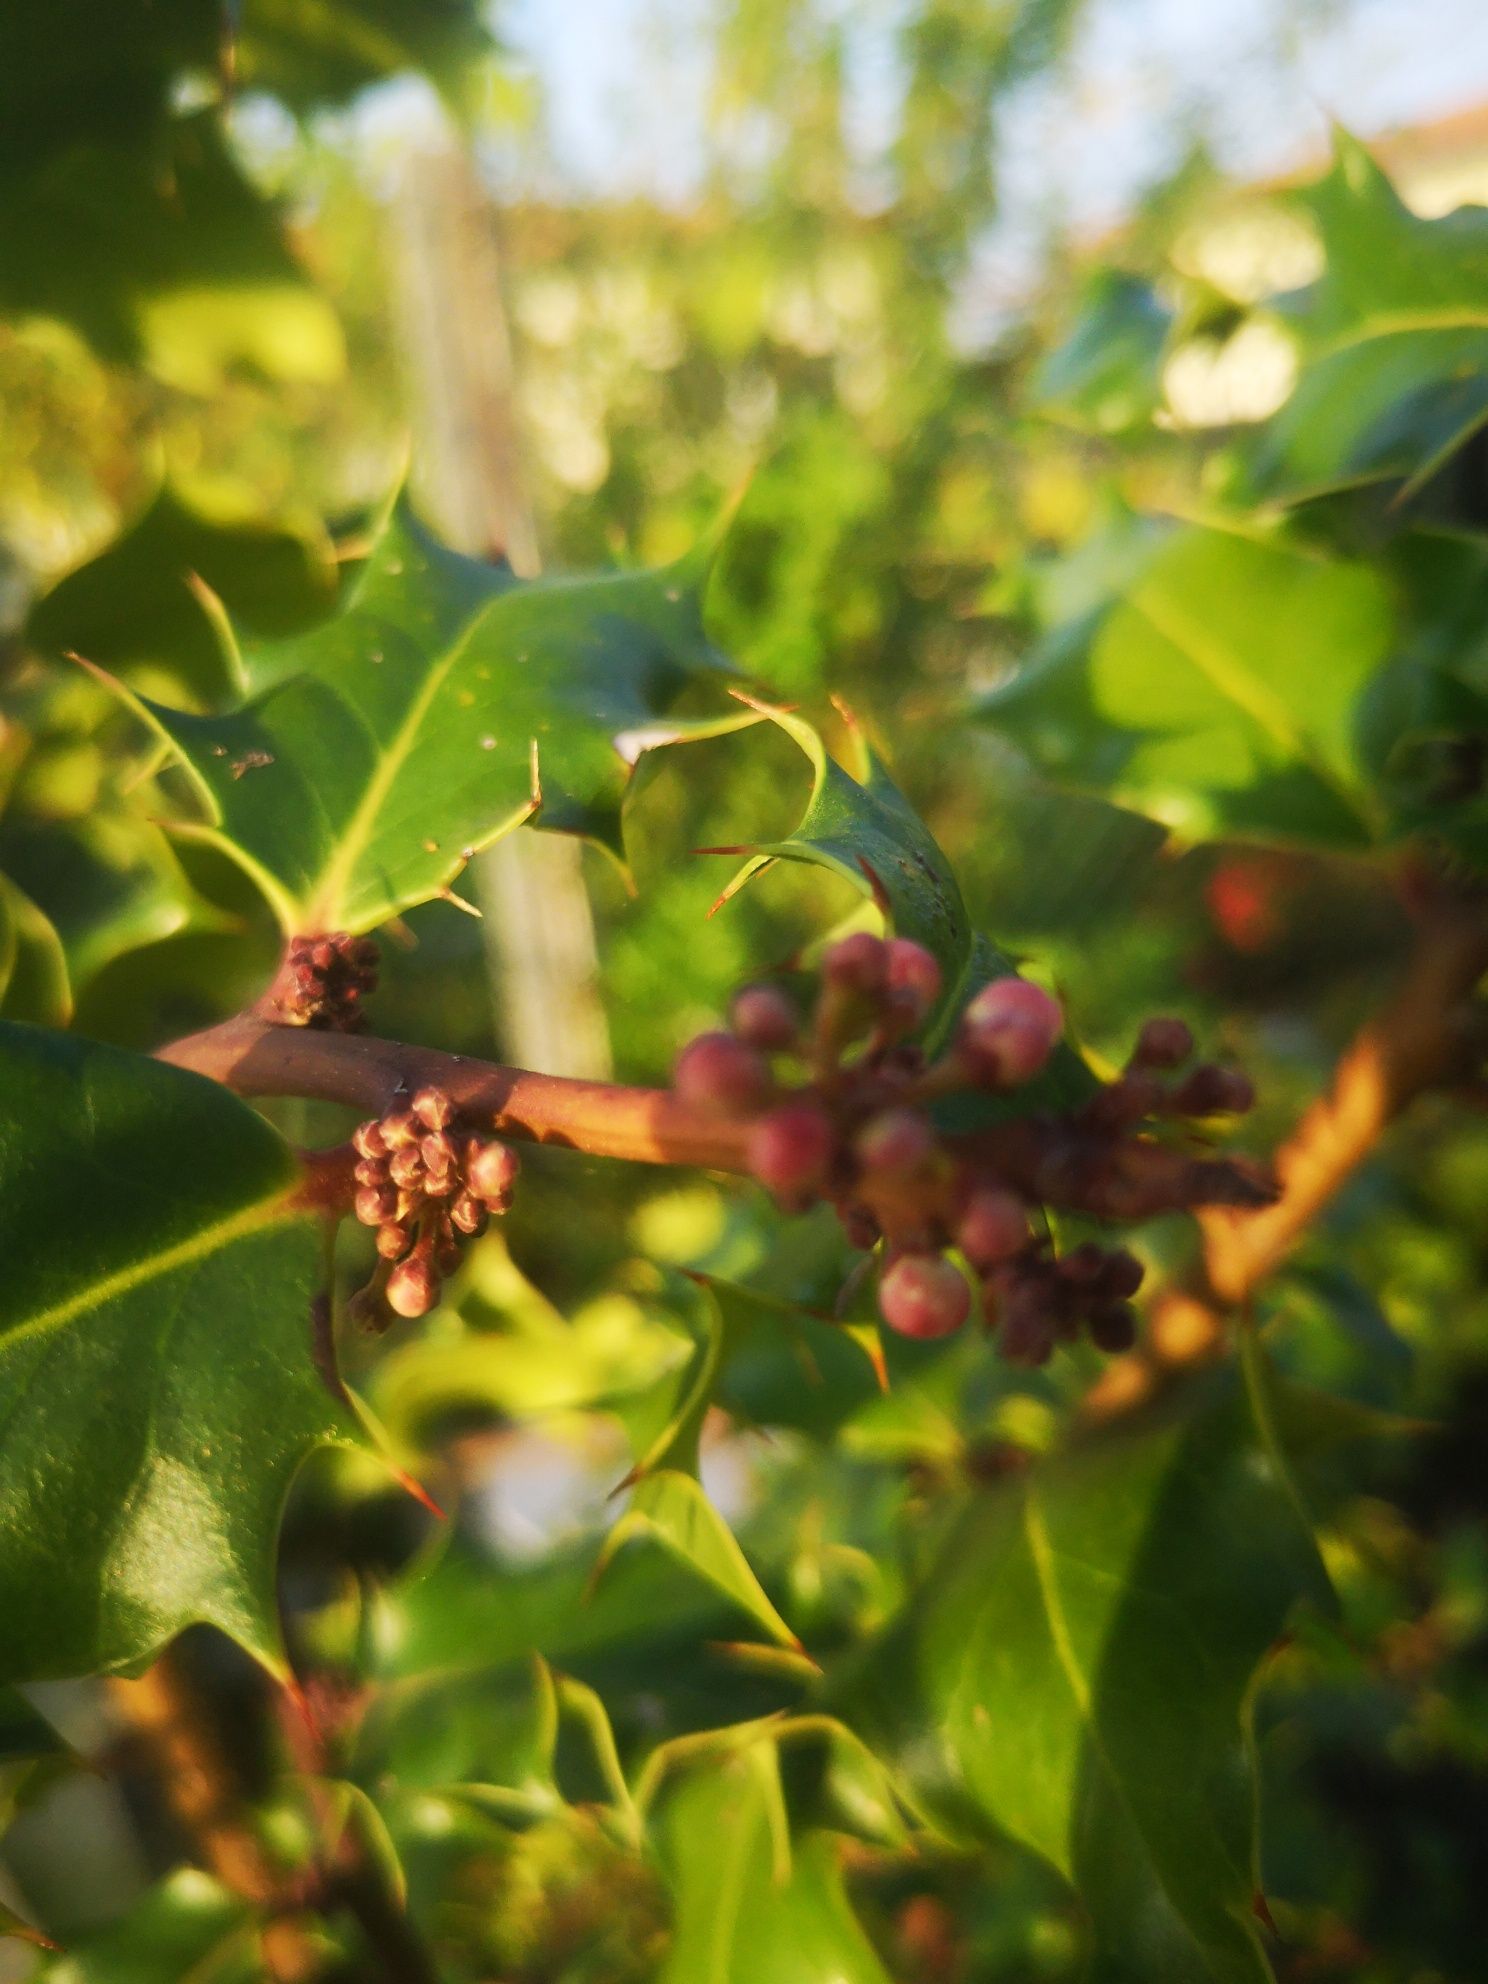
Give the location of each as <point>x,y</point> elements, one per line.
<point>673,1510</point>
<point>754,1906</point>
<point>1076,1669</point>
<point>447,705</point>
<point>1394,340</point>
<point>1187,703</point>
<point>155,1357</point>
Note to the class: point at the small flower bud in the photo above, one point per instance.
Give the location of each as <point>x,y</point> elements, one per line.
<point>1121,1275</point>
<point>413,1286</point>
<point>898,1142</point>
<point>366,1140</point>
<point>394,1239</point>
<point>859,963</point>
<point>400,1129</point>
<point>373,1203</point>
<point>993,1226</point>
<point>438,1151</point>
<point>371,1171</point>
<point>1163,1043</point>
<point>913,975</point>
<point>762,1016</point>
<point>433,1109</point>
<point>924,1295</point>
<point>491,1171</point>
<point>1009,1031</point>
<point>790,1150</point>
<point>406,1167</point>
<point>721,1075</point>
<point>467,1214</point>
<point>1212,1091</point>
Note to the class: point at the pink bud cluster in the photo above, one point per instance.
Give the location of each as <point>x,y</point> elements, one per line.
<point>856,1127</point>
<point>323,981</point>
<point>426,1185</point>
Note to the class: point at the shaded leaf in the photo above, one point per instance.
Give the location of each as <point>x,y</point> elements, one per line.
<point>1106,373</point>
<point>1076,1669</point>
<point>187,1927</point>
<point>155,1357</point>
<point>34,984</point>
<point>135,610</point>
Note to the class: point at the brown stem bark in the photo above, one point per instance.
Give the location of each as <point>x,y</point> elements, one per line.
<point>604,1119</point>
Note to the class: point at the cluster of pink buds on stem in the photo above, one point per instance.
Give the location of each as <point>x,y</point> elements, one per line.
<point>841,1106</point>
<point>323,982</point>
<point>426,1183</point>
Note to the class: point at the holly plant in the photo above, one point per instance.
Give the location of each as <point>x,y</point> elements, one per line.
<point>926,1481</point>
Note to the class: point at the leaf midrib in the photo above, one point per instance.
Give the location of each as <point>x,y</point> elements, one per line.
<point>1041,1554</point>
<point>204,1242</point>
<point>1234,682</point>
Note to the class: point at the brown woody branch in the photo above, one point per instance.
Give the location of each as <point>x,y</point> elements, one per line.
<point>1421,1040</point>
<point>604,1119</point>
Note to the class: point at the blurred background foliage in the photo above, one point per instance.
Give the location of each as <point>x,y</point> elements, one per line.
<point>1227,437</point>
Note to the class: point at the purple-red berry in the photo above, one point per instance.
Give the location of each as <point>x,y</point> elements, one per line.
<point>721,1076</point>
<point>859,963</point>
<point>762,1016</point>
<point>897,1142</point>
<point>1163,1043</point>
<point>993,1226</point>
<point>913,975</point>
<point>790,1150</point>
<point>1009,1031</point>
<point>1113,1327</point>
<point>924,1295</point>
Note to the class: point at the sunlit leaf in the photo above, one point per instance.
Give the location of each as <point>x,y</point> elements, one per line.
<point>445,706</point>
<point>1394,339</point>
<point>155,1357</point>
<point>754,1906</point>
<point>1187,702</point>
<point>673,1509</point>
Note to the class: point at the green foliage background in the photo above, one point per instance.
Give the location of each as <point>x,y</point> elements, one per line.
<point>1181,697</point>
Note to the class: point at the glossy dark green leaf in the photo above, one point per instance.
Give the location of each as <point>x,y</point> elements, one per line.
<point>155,1357</point>
<point>446,706</point>
<point>753,1905</point>
<point>1076,1669</point>
<point>135,608</point>
<point>1187,702</point>
<point>1394,339</point>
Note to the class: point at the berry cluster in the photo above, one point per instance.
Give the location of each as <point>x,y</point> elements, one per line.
<point>860,1132</point>
<point>426,1184</point>
<point>323,982</point>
